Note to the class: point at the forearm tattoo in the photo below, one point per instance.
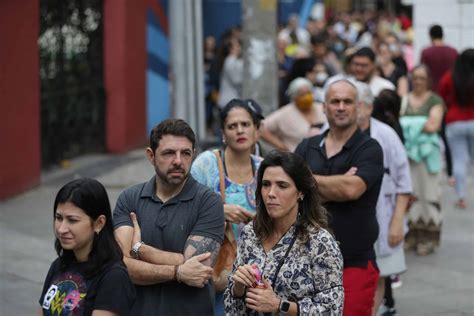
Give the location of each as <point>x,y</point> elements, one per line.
<point>196,245</point>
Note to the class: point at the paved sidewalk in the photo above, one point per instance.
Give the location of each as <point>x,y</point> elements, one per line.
<point>440,284</point>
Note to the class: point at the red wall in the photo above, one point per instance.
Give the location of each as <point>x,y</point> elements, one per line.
<point>125,74</point>
<point>124,80</point>
<point>20,165</point>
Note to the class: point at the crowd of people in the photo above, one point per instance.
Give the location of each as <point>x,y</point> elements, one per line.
<point>307,211</point>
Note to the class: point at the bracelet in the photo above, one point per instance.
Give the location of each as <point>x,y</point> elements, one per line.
<point>176,272</point>
<point>175,276</point>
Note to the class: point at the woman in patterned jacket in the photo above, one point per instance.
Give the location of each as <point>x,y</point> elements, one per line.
<point>287,262</point>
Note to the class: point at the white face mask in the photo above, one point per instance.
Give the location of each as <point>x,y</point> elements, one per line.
<point>321,77</point>
<point>394,48</point>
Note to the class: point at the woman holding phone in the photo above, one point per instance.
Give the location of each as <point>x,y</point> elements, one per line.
<point>287,261</point>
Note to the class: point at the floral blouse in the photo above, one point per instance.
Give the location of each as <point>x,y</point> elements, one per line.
<point>311,274</point>
<point>206,171</point>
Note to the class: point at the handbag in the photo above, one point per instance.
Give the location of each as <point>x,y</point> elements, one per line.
<point>228,250</point>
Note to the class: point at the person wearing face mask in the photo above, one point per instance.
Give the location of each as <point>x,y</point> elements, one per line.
<point>301,118</point>
<point>320,78</point>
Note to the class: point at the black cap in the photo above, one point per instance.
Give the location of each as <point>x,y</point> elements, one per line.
<point>254,107</point>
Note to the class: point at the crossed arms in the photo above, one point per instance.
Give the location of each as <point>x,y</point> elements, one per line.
<point>366,169</point>
<point>340,188</point>
<point>154,266</point>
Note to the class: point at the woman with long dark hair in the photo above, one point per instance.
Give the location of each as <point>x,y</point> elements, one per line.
<point>287,261</point>
<point>457,89</point>
<point>88,277</point>
<point>387,109</point>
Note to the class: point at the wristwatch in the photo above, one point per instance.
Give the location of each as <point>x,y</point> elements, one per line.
<point>135,249</point>
<point>284,307</point>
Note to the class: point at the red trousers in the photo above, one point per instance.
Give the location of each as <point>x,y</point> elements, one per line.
<point>359,290</point>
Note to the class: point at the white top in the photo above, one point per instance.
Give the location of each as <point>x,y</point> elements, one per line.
<point>231,80</point>
<point>378,83</point>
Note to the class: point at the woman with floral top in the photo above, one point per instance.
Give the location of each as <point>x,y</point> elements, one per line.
<point>287,262</point>
<point>231,172</point>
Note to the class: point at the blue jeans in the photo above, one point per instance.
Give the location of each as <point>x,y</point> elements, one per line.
<point>219,305</point>
<point>461,140</point>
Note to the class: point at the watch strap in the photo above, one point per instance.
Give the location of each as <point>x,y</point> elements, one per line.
<point>284,307</point>
<point>135,249</point>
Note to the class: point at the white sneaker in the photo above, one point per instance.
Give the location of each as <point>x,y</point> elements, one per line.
<point>396,281</point>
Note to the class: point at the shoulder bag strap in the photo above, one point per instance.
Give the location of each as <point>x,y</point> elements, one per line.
<point>229,234</point>
<point>404,105</point>
<point>282,261</point>
<point>220,166</point>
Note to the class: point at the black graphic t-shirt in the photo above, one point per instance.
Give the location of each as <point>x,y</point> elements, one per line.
<point>69,292</point>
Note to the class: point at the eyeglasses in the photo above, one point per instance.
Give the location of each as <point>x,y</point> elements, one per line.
<point>360,65</point>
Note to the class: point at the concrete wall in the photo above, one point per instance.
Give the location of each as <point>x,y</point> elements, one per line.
<point>455,16</point>
<point>20,164</point>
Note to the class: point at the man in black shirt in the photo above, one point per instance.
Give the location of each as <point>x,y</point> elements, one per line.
<point>348,167</point>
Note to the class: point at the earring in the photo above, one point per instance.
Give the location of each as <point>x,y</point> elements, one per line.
<point>97,233</point>
<point>301,198</point>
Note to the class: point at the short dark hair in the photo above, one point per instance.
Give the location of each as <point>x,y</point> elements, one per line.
<point>90,196</point>
<point>319,39</point>
<point>436,31</point>
<point>311,211</point>
<point>249,105</point>
<point>387,107</point>
<point>175,127</point>
<point>300,68</point>
<point>364,52</point>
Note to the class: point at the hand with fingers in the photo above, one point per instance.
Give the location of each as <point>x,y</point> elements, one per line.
<point>243,277</point>
<point>137,233</point>
<point>395,235</point>
<point>352,171</point>
<point>237,214</point>
<point>193,272</point>
<point>262,298</point>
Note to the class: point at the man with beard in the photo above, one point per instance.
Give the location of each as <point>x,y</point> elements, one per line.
<point>170,229</point>
<point>362,66</point>
<point>348,167</point>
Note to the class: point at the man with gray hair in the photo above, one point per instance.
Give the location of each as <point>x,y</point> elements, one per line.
<point>348,167</point>
<point>394,194</point>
